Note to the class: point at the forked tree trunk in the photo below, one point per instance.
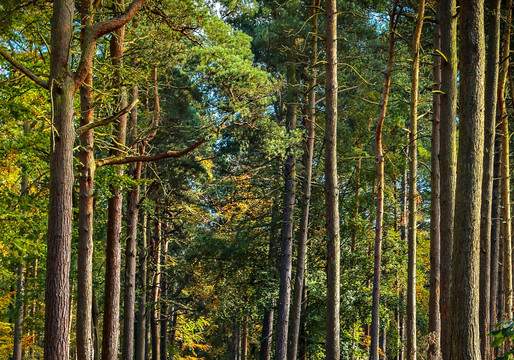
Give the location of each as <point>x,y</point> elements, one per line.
<point>491,84</point>
<point>466,254</point>
<point>379,154</point>
<point>448,157</point>
<point>413,175</point>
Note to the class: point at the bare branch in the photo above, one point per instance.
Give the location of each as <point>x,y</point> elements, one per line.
<point>24,69</point>
<point>106,121</point>
<point>148,158</point>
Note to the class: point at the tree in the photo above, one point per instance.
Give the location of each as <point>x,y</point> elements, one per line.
<point>331,184</point>
<point>465,260</point>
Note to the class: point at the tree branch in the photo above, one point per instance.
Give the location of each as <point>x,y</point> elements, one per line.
<point>19,66</point>
<point>94,32</point>
<point>148,158</point>
<point>106,121</point>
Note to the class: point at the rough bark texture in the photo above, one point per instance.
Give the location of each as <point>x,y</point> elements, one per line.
<point>310,122</point>
<point>413,165</point>
<point>130,248</point>
<point>111,328</point>
<point>465,261</point>
<point>448,158</point>
<point>491,84</point>
<point>505,170</point>
<point>57,292</point>
<point>495,240</point>
<point>156,293</point>
<point>331,185</point>
<point>284,299</point>
<point>18,310</point>
<point>379,154</point>
<point>434,317</point>
<point>164,305</point>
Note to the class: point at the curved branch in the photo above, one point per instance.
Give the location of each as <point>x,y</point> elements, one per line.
<point>149,158</point>
<point>106,121</point>
<point>19,66</point>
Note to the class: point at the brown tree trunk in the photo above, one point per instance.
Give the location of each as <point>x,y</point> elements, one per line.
<point>164,305</point>
<point>131,249</point>
<point>244,339</point>
<point>447,15</point>
<point>331,185</point>
<point>379,154</point>
<point>57,293</point>
<point>495,241</point>
<point>413,164</point>
<point>111,327</point>
<point>493,48</point>
<point>142,283</point>
<point>155,326</point>
<point>434,318</point>
<point>505,169</point>
<point>465,262</point>
<point>310,122</point>
<point>284,299</point>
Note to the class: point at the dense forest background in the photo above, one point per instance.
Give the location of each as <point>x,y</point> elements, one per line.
<point>255,179</point>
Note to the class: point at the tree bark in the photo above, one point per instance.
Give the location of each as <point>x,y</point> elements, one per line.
<point>491,84</point>
<point>447,15</point>
<point>310,122</point>
<point>413,164</point>
<point>505,169</point>
<point>465,261</point>
<point>111,328</point>
<point>379,154</point>
<point>284,300</point>
<point>140,344</point>
<point>130,248</point>
<point>495,241</point>
<point>164,304</point>
<point>434,317</point>
<point>156,293</point>
<point>57,292</point>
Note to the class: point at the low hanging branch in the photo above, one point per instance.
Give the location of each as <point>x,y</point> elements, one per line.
<point>19,66</point>
<point>148,158</point>
<point>106,121</point>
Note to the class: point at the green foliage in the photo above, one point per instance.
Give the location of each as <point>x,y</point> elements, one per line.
<point>504,332</point>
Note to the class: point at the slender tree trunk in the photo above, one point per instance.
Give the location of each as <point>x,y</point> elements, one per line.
<point>379,154</point>
<point>310,122</point>
<point>505,169</point>
<point>493,48</point>
<point>142,282</point>
<point>61,185</point>
<point>495,240</point>
<point>302,341</point>
<point>413,164</point>
<point>383,344</point>
<point>111,327</point>
<point>164,305</point>
<point>331,185</point>
<point>96,329</point>
<point>284,301</point>
<point>155,328</point>
<point>466,254</point>
<point>244,339</point>
<point>434,320</point>
<point>131,249</point>
<point>447,15</point>
<point>86,210</point>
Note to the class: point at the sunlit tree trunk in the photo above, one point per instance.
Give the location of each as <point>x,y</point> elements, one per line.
<point>466,247</point>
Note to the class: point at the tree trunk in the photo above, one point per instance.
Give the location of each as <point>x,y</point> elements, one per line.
<point>495,241</point>
<point>302,341</point>
<point>85,241</point>
<point>447,15</point>
<point>284,300</point>
<point>413,164</point>
<point>331,185</point>
<point>155,328</point>
<point>434,318</point>
<point>61,183</point>
<point>164,305</point>
<point>465,261</point>
<point>310,122</point>
<point>505,169</point>
<point>111,328</point>
<point>379,154</point>
<point>493,48</point>
<point>131,249</point>
<point>142,282</point>
<point>244,339</point>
